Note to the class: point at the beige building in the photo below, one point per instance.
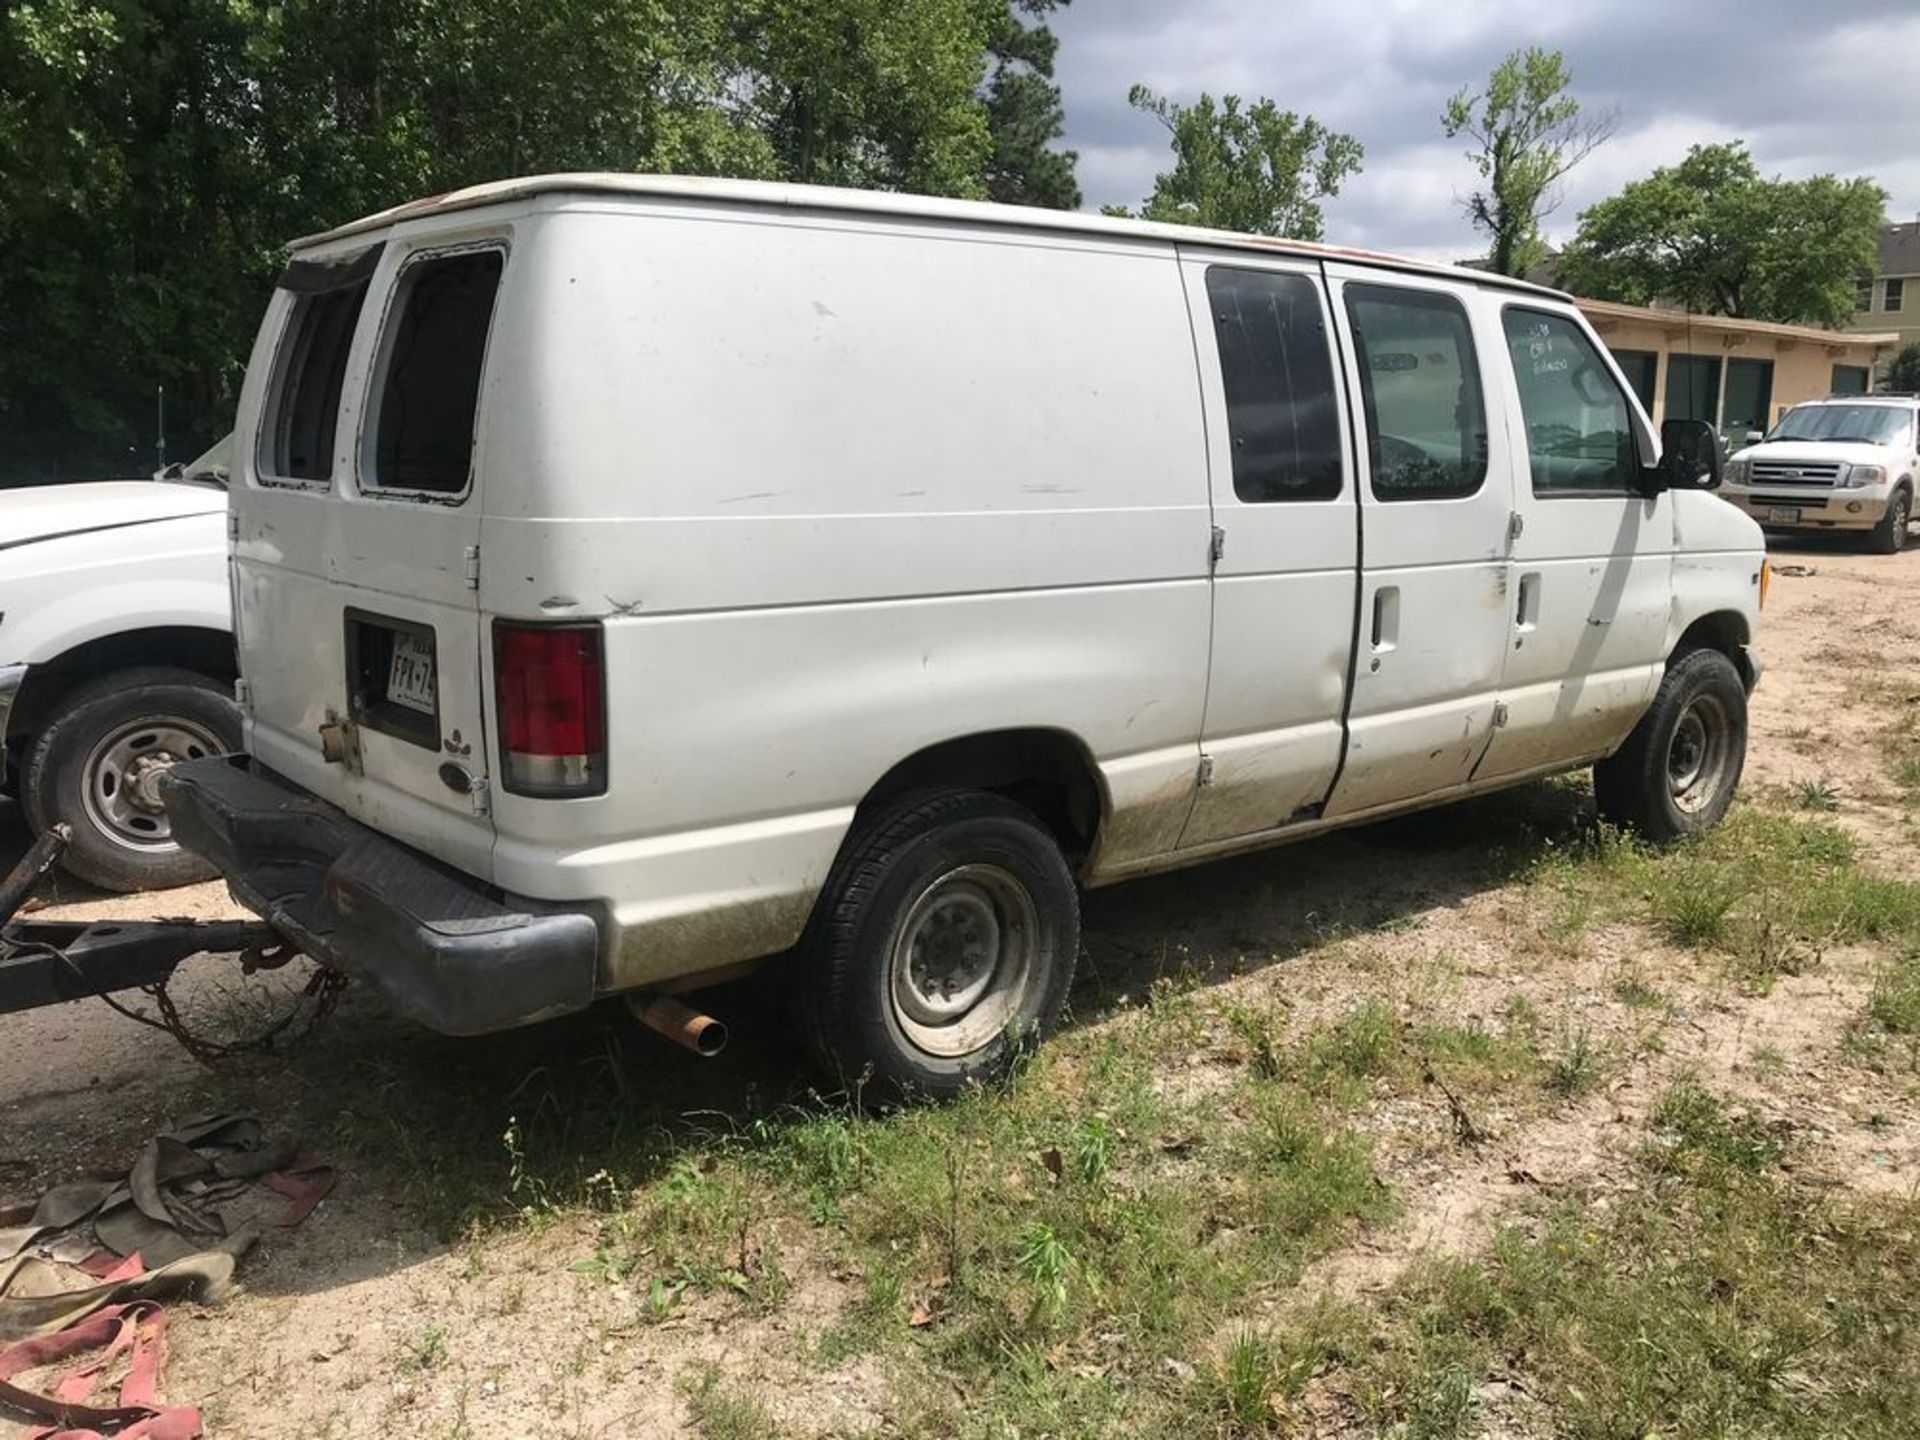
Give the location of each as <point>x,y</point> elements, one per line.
<point>1890,298</point>
<point>1738,374</point>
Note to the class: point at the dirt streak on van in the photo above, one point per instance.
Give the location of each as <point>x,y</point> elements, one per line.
<point>638,577</point>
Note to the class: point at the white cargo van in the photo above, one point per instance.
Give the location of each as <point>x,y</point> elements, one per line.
<point>636,578</point>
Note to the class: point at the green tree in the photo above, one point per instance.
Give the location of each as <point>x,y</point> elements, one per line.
<point>1255,168</point>
<point>1901,373</point>
<point>155,155</point>
<point>1528,133</point>
<point>1024,113</point>
<point>874,93</point>
<point>1714,235</point>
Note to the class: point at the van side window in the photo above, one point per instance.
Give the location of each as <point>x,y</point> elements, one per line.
<point>430,385</point>
<point>296,444</point>
<point>1420,379</point>
<point>1579,428</point>
<point>1278,375</point>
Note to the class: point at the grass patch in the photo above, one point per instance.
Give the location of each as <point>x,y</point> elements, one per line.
<point>1895,1004</point>
<point>1714,1299</point>
<point>1768,892</point>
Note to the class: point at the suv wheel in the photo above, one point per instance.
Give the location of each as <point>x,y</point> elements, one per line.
<point>1677,772</point>
<point>944,941</point>
<point>97,765</point>
<point>1889,537</point>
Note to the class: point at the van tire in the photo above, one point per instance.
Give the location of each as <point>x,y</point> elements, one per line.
<point>1889,537</point>
<point>978,881</point>
<point>120,842</point>
<point>1677,773</point>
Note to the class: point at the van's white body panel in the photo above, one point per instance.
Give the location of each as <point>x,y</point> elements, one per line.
<point>844,478</point>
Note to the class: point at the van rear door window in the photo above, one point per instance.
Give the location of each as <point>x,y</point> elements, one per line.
<point>429,391</point>
<point>1277,372</point>
<point>296,445</point>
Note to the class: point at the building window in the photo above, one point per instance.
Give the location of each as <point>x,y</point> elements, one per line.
<point>1278,376</point>
<point>1863,294</point>
<point>1850,379</point>
<point>1642,369</point>
<point>1749,398</point>
<point>1693,388</point>
<point>1895,298</point>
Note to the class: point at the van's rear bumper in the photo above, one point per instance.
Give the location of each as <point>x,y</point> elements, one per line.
<point>441,948</point>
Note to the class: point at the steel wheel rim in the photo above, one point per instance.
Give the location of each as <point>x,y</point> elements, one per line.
<point>119,784</point>
<point>1699,753</point>
<point>962,959</point>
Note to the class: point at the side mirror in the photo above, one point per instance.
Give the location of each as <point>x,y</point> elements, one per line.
<point>1691,458</point>
<point>1754,437</point>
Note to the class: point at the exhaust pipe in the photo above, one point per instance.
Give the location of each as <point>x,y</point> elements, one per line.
<point>682,1024</point>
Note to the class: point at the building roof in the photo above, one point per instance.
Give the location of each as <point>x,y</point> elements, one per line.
<point>1679,320</point>
<point>1900,249</point>
<point>883,202</point>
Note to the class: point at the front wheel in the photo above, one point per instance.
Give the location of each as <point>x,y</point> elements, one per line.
<point>1889,537</point>
<point>1677,772</point>
<point>97,766</point>
<point>944,942</point>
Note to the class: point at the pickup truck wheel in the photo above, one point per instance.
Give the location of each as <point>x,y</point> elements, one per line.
<point>1889,537</point>
<point>1677,772</point>
<point>97,764</point>
<point>944,942</point>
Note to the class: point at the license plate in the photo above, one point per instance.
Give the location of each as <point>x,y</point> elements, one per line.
<point>1784,514</point>
<point>410,675</point>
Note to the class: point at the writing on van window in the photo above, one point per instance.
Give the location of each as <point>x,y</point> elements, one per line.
<point>1579,430</point>
<point>1282,425</point>
<point>430,391</point>
<point>1420,381</point>
<point>303,408</point>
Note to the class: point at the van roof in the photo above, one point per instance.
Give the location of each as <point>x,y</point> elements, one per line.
<point>886,202</point>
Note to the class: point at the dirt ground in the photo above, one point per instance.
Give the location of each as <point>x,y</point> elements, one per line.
<point>363,1322</point>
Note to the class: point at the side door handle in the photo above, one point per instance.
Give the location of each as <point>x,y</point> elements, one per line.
<point>1385,635</point>
<point>1527,615</point>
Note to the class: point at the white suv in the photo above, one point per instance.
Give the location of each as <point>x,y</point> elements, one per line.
<point>1845,463</point>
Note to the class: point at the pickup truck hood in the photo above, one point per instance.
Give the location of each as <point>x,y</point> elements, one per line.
<point>47,512</point>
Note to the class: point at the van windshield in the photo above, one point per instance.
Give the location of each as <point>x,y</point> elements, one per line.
<point>1859,424</point>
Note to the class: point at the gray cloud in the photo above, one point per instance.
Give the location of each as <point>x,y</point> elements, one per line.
<point>1810,87</point>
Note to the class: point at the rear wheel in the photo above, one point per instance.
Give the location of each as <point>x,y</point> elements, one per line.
<point>97,764</point>
<point>1677,773</point>
<point>1889,537</point>
<point>944,942</point>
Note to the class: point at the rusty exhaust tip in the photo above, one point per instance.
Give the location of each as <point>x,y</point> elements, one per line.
<point>682,1024</point>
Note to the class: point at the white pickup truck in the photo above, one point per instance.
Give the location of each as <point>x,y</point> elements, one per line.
<point>116,660</point>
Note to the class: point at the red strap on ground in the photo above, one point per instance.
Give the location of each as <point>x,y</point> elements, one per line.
<point>109,1269</point>
<point>304,1184</point>
<point>140,1326</point>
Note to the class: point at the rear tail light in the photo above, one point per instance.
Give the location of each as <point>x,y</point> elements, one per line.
<point>551,685</point>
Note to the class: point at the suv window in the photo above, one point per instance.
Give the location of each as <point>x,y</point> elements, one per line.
<point>1420,379</point>
<point>303,408</point>
<point>430,385</point>
<point>1579,426</point>
<point>1278,376</point>
<point>1861,424</point>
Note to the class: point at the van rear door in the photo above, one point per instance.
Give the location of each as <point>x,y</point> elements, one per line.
<point>357,526</point>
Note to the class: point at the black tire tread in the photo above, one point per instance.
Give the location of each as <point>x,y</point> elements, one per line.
<point>86,858</point>
<point>822,998</point>
<point>1629,787</point>
<point>1885,538</point>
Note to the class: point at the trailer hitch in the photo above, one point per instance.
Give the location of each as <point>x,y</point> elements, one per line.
<point>47,962</point>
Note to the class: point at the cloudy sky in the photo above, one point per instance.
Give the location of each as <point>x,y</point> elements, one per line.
<point>1811,85</point>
